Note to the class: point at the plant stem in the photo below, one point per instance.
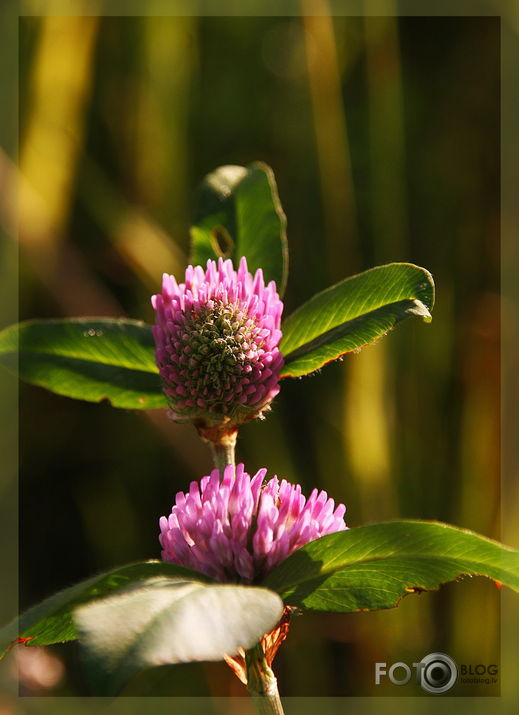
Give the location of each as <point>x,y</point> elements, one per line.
<point>261,683</point>
<point>223,454</point>
<point>221,441</point>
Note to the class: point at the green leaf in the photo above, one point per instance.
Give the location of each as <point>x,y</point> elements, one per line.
<point>89,359</point>
<point>171,620</point>
<point>238,213</point>
<point>353,313</point>
<point>51,620</point>
<point>372,567</point>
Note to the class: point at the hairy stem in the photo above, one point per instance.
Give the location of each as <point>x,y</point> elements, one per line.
<point>221,441</point>
<point>223,454</point>
<point>261,683</point>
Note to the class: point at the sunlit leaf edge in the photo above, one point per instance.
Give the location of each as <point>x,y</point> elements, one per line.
<point>488,569</point>
<point>417,307</point>
<point>168,621</point>
<point>50,620</point>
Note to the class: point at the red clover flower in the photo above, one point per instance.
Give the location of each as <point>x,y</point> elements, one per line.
<point>217,337</point>
<point>238,528</point>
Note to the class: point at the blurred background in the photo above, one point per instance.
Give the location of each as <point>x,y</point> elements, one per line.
<point>383,134</point>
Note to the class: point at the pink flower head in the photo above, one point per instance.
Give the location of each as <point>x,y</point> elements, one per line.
<point>238,528</point>
<point>217,338</point>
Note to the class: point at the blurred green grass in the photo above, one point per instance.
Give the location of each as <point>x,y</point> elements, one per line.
<point>383,134</point>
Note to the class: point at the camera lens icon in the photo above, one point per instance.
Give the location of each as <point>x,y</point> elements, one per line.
<point>438,673</point>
